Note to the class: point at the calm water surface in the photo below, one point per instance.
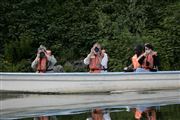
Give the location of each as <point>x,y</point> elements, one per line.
<point>164,105</point>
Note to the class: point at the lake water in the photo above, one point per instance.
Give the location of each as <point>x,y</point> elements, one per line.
<point>165,105</point>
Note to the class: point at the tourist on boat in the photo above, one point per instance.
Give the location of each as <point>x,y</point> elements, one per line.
<point>148,60</point>
<point>97,59</point>
<point>138,50</point>
<point>99,114</point>
<point>44,61</point>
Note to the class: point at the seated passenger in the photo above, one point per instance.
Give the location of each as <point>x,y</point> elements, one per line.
<point>44,61</point>
<point>97,59</point>
<point>138,50</point>
<point>148,60</point>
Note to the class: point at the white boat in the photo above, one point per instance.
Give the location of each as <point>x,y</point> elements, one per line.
<point>88,82</point>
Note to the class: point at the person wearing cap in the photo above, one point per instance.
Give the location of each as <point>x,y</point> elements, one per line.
<point>44,61</point>
<point>97,59</point>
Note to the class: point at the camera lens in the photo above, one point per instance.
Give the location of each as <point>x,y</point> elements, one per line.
<point>42,55</point>
<point>96,49</point>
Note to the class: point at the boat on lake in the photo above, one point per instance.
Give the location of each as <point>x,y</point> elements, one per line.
<point>108,82</point>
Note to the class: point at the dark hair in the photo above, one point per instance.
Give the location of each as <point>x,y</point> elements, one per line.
<point>138,49</point>
<point>148,45</point>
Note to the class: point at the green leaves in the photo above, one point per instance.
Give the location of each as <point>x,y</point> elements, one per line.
<point>69,28</point>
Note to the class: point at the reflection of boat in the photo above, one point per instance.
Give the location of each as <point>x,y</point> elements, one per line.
<point>88,82</point>
<point>33,105</point>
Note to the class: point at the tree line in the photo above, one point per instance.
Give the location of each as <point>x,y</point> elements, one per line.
<point>70,27</point>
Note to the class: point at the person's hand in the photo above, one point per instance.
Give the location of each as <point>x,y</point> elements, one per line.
<point>92,51</point>
<point>147,52</point>
<point>103,51</point>
<point>38,55</point>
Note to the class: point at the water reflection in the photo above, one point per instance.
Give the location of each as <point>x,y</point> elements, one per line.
<point>99,114</point>
<point>168,112</point>
<point>148,113</point>
<point>123,106</point>
<point>45,118</point>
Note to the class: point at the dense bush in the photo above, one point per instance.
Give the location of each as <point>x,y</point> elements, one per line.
<point>69,28</point>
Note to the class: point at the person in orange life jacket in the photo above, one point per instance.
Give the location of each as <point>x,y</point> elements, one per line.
<point>149,60</point>
<point>97,59</point>
<point>44,61</point>
<point>138,50</point>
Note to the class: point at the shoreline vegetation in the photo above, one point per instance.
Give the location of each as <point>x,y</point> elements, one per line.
<point>69,28</point>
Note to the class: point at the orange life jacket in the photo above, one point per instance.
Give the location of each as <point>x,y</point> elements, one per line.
<point>95,64</point>
<point>150,60</point>
<point>135,62</point>
<point>42,65</point>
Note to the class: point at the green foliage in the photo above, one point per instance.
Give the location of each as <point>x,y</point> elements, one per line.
<point>22,66</point>
<point>68,67</point>
<point>69,28</point>
<point>15,51</point>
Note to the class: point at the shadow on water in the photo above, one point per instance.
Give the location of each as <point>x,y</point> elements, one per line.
<point>161,105</point>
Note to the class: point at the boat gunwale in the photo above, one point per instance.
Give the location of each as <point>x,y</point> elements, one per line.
<point>87,73</point>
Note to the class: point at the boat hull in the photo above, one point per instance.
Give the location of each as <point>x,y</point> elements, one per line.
<point>87,82</point>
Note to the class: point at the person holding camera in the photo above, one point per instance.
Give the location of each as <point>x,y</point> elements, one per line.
<point>149,60</point>
<point>44,61</point>
<point>97,59</point>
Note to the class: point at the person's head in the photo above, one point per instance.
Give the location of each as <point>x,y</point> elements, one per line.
<point>41,47</point>
<point>97,48</point>
<point>138,50</point>
<point>49,52</point>
<point>148,46</point>
<point>41,51</point>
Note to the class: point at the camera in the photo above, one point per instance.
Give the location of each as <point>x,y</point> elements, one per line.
<point>96,49</point>
<point>41,54</point>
